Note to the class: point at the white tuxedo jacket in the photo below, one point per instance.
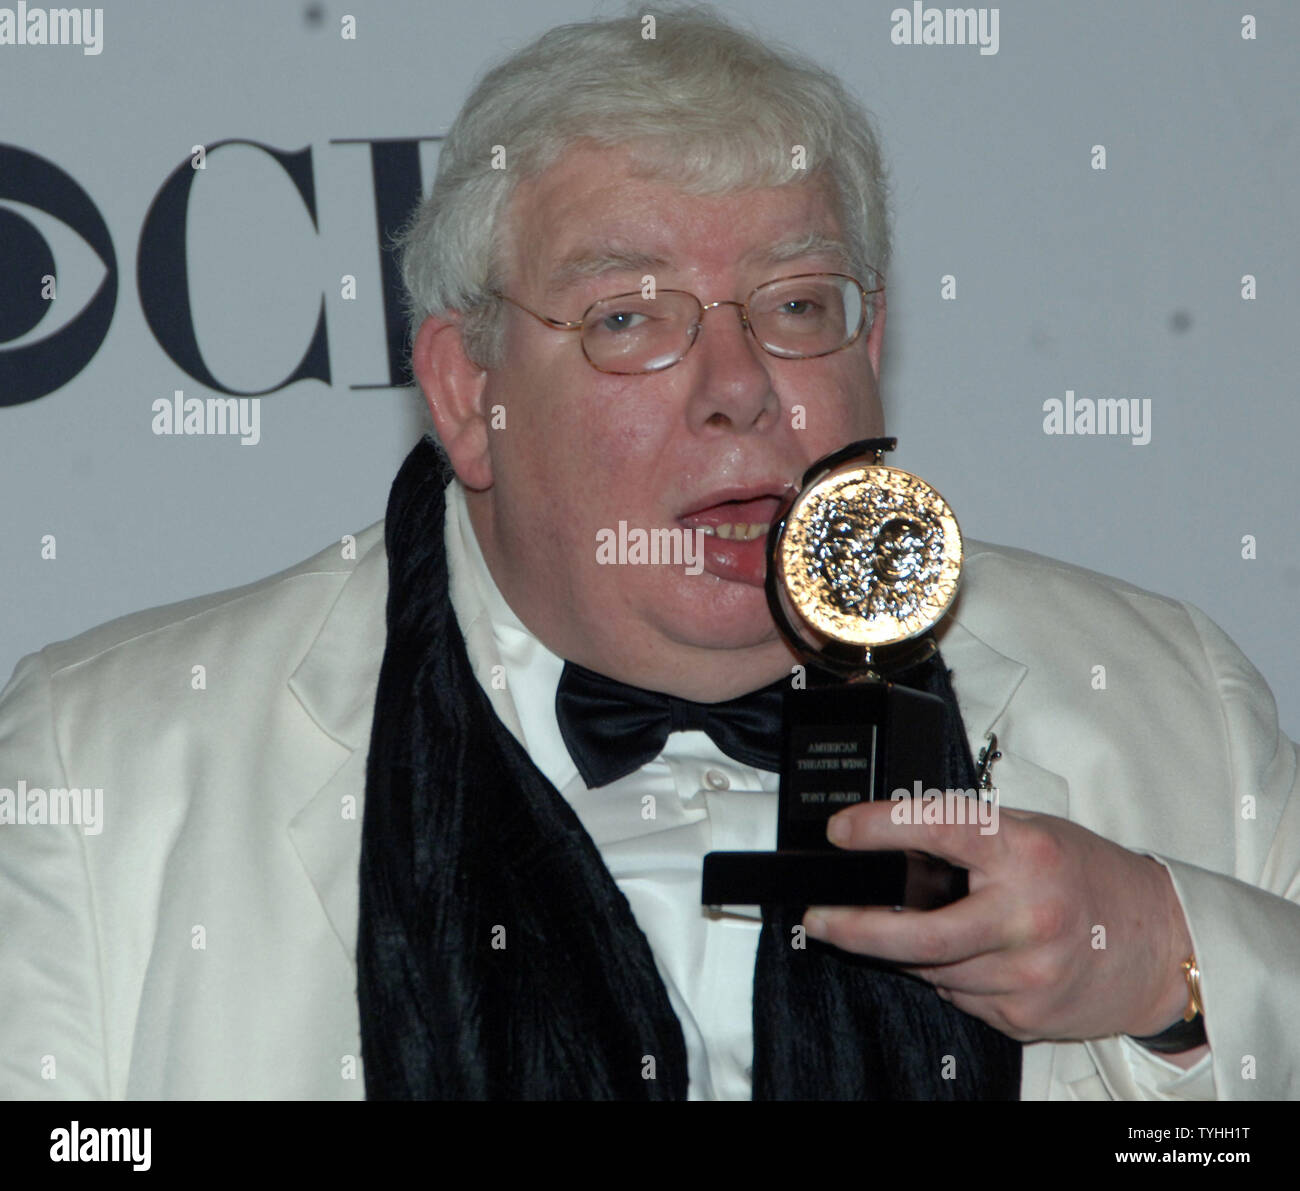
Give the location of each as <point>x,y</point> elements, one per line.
<point>201,945</point>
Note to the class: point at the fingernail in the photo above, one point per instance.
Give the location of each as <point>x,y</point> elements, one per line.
<point>815,925</point>
<point>838,830</point>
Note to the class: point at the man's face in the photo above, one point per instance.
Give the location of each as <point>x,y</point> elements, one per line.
<point>712,441</point>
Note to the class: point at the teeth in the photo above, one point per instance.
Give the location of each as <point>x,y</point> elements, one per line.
<point>736,531</point>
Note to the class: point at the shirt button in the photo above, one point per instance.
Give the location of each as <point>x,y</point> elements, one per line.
<point>715,779</point>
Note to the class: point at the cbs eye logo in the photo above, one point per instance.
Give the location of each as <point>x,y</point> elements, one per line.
<point>55,246</point>
<point>29,277</point>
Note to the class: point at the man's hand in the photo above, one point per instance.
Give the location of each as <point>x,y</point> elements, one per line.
<point>1023,951</point>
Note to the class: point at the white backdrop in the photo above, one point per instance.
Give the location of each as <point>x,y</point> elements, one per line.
<point>1123,283</point>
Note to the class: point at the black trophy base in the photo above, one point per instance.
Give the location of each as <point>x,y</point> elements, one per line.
<point>913,879</point>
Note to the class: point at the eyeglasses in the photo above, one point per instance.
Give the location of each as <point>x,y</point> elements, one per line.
<point>795,318</point>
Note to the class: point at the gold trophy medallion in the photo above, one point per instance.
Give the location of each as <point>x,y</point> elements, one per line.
<point>866,557</point>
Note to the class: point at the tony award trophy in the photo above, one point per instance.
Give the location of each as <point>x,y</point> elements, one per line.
<point>861,565</point>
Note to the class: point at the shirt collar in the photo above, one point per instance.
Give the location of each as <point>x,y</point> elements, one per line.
<point>523,689</point>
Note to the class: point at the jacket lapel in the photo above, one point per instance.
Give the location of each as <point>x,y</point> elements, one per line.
<point>986,682</point>
<point>335,683</point>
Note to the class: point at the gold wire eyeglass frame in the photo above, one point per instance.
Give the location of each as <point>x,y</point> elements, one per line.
<point>742,308</point>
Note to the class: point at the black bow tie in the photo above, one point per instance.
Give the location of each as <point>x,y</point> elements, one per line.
<point>612,729</point>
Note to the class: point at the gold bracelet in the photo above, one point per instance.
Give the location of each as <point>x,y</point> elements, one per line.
<point>1192,974</point>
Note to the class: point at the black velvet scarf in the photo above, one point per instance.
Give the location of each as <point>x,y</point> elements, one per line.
<point>498,960</point>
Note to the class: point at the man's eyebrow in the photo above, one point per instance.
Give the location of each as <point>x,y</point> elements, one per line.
<point>592,261</point>
<point>811,244</point>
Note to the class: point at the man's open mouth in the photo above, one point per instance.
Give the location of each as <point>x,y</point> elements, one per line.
<point>735,528</point>
<point>735,520</point>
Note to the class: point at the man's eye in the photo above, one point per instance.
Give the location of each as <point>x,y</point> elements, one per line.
<point>623,320</point>
<point>799,306</point>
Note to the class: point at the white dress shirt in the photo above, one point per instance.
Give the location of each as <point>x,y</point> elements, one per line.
<point>653,829</point>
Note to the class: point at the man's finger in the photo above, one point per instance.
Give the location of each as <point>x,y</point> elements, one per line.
<point>993,974</point>
<point>876,826</point>
<point>974,925</point>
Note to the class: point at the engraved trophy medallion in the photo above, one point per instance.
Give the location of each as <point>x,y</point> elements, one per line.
<point>866,558</point>
<point>863,562</point>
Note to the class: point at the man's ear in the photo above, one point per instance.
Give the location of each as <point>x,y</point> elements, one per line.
<point>453,389</point>
<point>876,337</point>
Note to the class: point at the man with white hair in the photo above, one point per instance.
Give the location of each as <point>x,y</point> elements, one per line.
<point>647,288</point>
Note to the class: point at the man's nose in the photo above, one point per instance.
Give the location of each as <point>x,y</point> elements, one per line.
<point>735,387</point>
